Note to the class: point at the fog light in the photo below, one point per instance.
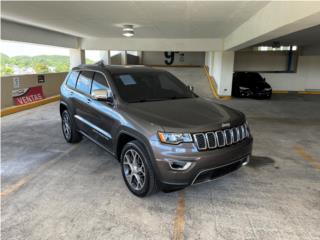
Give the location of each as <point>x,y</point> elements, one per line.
<point>179,165</point>
<point>246,161</point>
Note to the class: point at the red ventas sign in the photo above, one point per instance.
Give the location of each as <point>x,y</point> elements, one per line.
<point>27,95</point>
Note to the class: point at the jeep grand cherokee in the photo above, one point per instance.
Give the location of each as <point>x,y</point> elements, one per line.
<point>162,133</point>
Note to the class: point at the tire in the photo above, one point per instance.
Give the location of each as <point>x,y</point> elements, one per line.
<point>136,169</point>
<point>70,133</point>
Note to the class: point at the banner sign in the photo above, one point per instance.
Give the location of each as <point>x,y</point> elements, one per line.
<point>27,95</point>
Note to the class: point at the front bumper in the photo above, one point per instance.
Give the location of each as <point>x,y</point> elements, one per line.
<point>206,165</point>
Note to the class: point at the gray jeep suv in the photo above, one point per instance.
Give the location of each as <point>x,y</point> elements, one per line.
<point>162,133</point>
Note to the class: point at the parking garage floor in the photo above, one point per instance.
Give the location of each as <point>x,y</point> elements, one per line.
<point>53,190</point>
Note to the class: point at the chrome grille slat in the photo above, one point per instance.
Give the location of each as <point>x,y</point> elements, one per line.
<point>211,140</point>
<point>238,134</point>
<point>228,136</point>
<point>242,132</point>
<point>200,141</point>
<point>221,138</point>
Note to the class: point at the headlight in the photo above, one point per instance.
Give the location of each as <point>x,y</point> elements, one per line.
<point>267,89</point>
<point>174,138</point>
<point>244,88</point>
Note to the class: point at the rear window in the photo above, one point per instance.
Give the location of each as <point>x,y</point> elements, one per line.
<point>72,79</point>
<point>84,82</point>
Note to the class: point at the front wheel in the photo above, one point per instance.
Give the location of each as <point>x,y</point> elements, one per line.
<point>136,169</point>
<point>69,130</point>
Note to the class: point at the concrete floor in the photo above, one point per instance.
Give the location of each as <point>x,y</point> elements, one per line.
<point>53,190</point>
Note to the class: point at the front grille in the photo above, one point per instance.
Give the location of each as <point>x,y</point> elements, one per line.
<point>221,138</point>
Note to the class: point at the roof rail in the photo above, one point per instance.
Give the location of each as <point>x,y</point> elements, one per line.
<point>100,63</point>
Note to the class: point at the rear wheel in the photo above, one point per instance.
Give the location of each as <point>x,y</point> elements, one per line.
<point>136,169</point>
<point>69,130</point>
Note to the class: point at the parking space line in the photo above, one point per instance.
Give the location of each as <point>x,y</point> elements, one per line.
<point>301,151</point>
<point>178,227</point>
<point>16,186</point>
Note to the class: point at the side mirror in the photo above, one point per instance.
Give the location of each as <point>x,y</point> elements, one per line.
<point>190,88</point>
<point>103,95</point>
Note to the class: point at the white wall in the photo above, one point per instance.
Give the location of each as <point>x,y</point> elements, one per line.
<point>260,61</point>
<point>189,59</point>
<point>306,78</point>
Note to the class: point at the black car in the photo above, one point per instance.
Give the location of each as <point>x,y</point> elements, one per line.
<point>250,84</point>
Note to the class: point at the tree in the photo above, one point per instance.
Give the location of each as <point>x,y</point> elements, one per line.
<point>40,67</point>
<point>6,71</point>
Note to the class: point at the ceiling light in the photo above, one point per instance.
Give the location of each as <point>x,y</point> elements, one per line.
<point>127,28</point>
<point>127,31</point>
<point>128,34</point>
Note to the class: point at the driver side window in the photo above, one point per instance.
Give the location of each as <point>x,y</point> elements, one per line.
<point>99,82</point>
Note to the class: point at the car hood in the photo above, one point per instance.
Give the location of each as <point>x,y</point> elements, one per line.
<point>190,115</point>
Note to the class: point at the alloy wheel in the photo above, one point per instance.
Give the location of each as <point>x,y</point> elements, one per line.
<point>134,169</point>
<point>66,125</point>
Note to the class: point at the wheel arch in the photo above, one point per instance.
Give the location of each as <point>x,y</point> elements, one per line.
<point>126,135</point>
<point>63,106</point>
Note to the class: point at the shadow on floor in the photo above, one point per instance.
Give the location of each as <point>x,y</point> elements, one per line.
<point>260,161</point>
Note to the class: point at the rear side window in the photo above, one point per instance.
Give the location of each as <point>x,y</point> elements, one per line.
<point>72,79</point>
<point>84,82</point>
<point>99,82</point>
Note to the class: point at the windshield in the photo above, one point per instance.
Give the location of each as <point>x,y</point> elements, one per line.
<point>150,86</point>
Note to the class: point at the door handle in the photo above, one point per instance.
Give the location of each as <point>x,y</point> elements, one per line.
<point>88,100</point>
<point>71,92</point>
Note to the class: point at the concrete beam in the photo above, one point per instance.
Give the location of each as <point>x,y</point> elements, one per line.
<point>24,33</point>
<point>274,20</point>
<point>148,44</point>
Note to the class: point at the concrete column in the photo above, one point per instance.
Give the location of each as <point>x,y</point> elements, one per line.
<point>105,57</point>
<point>206,59</point>
<point>123,57</point>
<point>209,62</point>
<point>222,73</point>
<point>140,56</point>
<point>77,57</point>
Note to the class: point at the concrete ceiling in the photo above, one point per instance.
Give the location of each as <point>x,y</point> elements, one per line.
<point>306,37</point>
<point>160,19</point>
